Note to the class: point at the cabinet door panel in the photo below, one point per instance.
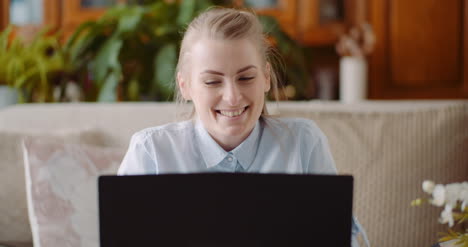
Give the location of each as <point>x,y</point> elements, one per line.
<point>4,15</point>
<point>421,49</point>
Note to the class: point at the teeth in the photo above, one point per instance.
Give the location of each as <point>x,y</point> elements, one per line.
<point>232,113</point>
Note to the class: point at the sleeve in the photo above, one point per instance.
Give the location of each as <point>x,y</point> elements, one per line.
<point>357,229</point>
<point>138,159</point>
<point>320,157</point>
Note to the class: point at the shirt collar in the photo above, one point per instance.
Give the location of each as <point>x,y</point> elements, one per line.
<point>213,153</point>
<point>247,150</point>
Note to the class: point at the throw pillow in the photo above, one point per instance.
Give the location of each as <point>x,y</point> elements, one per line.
<point>14,222</point>
<point>61,183</point>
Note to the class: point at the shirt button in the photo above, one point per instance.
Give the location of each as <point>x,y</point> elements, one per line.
<point>230,159</point>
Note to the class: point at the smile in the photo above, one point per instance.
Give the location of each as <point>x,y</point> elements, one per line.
<point>232,113</point>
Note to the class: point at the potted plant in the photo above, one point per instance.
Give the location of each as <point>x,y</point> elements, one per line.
<point>30,67</point>
<point>130,53</point>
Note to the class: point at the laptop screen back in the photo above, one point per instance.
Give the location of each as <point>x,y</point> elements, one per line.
<point>225,209</point>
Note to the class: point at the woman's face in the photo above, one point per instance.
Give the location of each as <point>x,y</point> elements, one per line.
<point>226,81</point>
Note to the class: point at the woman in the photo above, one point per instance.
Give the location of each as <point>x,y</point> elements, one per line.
<point>225,70</point>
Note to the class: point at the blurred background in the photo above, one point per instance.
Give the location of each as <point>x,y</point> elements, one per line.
<point>126,50</point>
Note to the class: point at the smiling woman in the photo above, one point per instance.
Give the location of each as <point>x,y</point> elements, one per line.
<point>225,69</point>
<point>229,94</point>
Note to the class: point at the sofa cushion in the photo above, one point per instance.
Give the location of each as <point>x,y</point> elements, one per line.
<point>391,150</point>
<point>61,182</point>
<point>14,223</point>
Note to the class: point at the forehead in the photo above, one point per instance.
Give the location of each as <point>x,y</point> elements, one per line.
<point>223,55</point>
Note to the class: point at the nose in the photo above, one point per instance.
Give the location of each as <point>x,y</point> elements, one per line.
<point>232,94</point>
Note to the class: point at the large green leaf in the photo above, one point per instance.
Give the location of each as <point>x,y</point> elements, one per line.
<point>114,13</point>
<point>107,59</point>
<point>108,92</point>
<point>130,19</point>
<point>165,63</point>
<point>77,34</point>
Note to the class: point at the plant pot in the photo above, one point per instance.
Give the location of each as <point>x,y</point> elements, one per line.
<point>353,79</point>
<point>8,96</point>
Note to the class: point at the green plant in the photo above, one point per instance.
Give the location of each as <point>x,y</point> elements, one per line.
<point>31,67</point>
<point>131,52</point>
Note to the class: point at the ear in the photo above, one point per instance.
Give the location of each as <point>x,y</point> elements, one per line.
<point>267,77</point>
<point>183,86</point>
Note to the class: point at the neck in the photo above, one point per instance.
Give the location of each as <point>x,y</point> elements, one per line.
<point>228,143</point>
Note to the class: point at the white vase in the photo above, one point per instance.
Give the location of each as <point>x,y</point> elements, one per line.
<point>353,79</point>
<point>8,96</point>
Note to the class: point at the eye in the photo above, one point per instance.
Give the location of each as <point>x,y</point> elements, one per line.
<point>246,78</point>
<point>212,83</point>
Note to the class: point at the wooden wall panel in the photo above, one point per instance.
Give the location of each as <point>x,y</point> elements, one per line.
<point>4,13</point>
<point>421,49</point>
<point>52,13</point>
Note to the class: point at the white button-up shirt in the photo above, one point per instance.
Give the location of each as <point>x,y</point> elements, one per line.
<point>275,145</point>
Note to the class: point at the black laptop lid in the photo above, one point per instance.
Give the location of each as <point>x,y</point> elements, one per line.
<point>225,209</point>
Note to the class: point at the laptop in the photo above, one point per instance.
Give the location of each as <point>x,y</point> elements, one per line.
<point>225,210</point>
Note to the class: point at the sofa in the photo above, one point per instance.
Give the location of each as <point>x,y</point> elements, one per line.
<point>390,147</point>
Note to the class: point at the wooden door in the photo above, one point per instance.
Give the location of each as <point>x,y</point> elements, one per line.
<point>421,50</point>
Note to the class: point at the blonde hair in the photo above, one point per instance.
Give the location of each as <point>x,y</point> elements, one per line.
<point>230,24</point>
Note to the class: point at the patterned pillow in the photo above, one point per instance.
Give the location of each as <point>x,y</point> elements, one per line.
<point>61,184</point>
<point>14,222</point>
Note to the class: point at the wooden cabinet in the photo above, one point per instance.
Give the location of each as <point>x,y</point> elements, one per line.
<point>50,18</point>
<point>421,50</point>
<point>3,13</point>
<point>311,22</point>
<point>321,22</point>
<point>75,12</point>
<point>64,15</point>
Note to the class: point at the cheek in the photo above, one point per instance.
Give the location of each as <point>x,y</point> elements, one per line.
<point>203,97</point>
<point>257,93</point>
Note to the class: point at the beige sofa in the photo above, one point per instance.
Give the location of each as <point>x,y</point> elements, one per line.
<point>390,148</point>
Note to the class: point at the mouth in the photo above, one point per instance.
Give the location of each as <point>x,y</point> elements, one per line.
<point>232,113</point>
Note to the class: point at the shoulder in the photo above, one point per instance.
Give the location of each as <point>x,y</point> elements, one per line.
<point>165,131</point>
<point>300,130</point>
<point>295,125</point>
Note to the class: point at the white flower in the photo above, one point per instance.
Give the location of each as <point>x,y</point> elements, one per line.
<point>453,194</point>
<point>428,186</point>
<point>446,216</point>
<point>438,195</point>
<point>464,195</point>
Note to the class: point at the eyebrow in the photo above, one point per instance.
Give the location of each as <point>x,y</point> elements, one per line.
<point>239,71</point>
